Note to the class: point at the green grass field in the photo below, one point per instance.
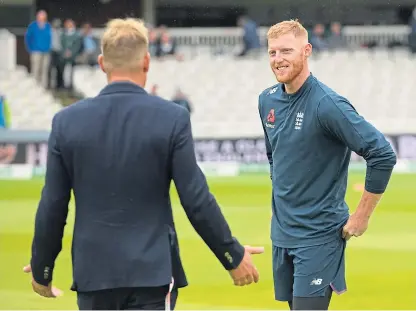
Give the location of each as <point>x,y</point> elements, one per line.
<point>381,265</point>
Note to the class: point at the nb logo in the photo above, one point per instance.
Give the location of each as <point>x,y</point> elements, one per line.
<point>316,282</point>
<point>273,90</point>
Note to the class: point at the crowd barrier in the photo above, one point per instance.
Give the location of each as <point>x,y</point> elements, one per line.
<point>354,35</point>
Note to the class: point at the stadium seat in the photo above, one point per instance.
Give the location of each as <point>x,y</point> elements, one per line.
<point>31,106</point>
<point>224,91</point>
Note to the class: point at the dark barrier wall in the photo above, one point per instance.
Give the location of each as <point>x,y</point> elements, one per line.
<point>198,16</point>
<point>96,12</point>
<point>15,15</point>
<point>22,57</point>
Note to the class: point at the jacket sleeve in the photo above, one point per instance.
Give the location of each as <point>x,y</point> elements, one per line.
<point>269,153</point>
<point>52,212</point>
<point>341,121</point>
<point>49,37</point>
<point>199,204</point>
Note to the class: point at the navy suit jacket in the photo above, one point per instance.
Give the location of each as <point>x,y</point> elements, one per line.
<point>118,153</point>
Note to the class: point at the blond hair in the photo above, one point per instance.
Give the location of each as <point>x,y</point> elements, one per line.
<point>291,26</point>
<point>124,44</point>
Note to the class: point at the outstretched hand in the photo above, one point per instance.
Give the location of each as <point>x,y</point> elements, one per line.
<point>246,273</point>
<point>45,291</point>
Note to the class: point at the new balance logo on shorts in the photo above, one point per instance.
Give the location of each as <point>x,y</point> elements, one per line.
<point>316,282</point>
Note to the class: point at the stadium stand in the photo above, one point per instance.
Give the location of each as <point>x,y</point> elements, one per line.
<point>379,83</point>
<point>224,91</point>
<point>31,106</point>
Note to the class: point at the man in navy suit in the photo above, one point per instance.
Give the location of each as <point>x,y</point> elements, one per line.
<point>118,152</point>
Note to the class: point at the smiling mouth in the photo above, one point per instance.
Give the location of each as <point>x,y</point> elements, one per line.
<point>281,67</point>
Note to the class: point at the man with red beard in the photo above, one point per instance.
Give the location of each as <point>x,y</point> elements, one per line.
<point>310,132</point>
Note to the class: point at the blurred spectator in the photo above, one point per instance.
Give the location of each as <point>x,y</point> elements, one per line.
<point>251,39</point>
<point>71,47</point>
<point>89,48</point>
<point>55,65</point>
<point>413,21</point>
<point>154,89</point>
<point>317,38</point>
<point>336,40</point>
<point>4,113</point>
<point>412,35</point>
<point>153,42</point>
<point>166,45</point>
<point>38,39</point>
<point>181,99</point>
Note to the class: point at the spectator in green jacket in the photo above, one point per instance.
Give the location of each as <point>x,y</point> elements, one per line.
<point>71,41</point>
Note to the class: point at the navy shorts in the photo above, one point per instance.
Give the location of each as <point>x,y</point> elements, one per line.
<point>309,271</point>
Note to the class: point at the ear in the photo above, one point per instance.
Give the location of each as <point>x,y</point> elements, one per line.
<point>101,62</point>
<point>308,50</point>
<point>146,62</point>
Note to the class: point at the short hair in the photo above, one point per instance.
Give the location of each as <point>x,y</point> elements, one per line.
<point>291,26</point>
<point>124,44</point>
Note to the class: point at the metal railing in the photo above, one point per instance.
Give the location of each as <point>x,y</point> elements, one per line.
<point>355,35</point>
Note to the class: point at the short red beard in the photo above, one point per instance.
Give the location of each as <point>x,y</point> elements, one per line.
<point>297,68</point>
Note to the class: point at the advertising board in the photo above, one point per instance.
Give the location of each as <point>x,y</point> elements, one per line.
<point>215,156</point>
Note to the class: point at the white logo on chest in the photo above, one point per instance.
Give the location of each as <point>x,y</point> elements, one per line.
<point>272,91</point>
<point>299,120</point>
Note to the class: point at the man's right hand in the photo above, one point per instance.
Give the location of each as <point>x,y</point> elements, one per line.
<point>246,272</point>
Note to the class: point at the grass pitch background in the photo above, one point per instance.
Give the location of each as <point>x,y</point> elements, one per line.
<point>381,265</point>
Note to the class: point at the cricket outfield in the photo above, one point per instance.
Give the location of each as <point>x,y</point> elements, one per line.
<point>381,265</point>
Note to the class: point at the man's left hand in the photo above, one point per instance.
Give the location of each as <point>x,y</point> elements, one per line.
<point>355,226</point>
<point>45,291</point>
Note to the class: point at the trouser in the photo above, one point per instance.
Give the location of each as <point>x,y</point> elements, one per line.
<point>89,59</point>
<point>55,66</point>
<point>68,74</point>
<point>135,298</point>
<point>412,42</point>
<point>39,63</point>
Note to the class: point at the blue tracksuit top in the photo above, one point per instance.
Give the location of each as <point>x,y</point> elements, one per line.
<point>309,138</point>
